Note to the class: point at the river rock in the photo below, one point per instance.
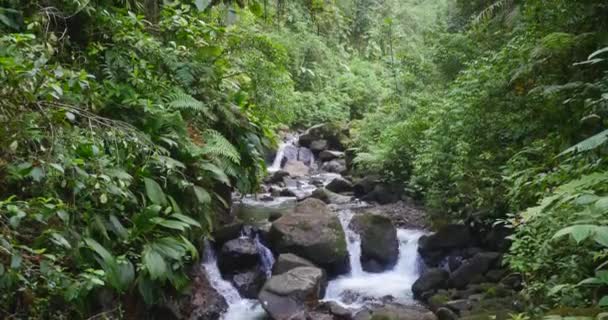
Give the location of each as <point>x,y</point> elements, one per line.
<point>314,233</point>
<point>277,177</point>
<point>397,312</point>
<point>340,185</point>
<point>446,314</point>
<point>472,268</point>
<point>335,134</point>
<point>335,166</point>
<point>288,261</point>
<point>226,232</point>
<point>288,295</point>
<point>238,254</point>
<point>330,197</point>
<point>430,281</point>
<point>252,211</point>
<point>296,168</point>
<point>318,145</point>
<point>290,152</point>
<point>382,194</point>
<point>328,155</point>
<point>379,244</point>
<point>249,283</point>
<point>365,185</point>
<point>435,247</point>
<point>306,156</point>
<point>201,302</point>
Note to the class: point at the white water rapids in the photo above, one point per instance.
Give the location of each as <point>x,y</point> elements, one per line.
<point>352,290</point>
<point>359,286</point>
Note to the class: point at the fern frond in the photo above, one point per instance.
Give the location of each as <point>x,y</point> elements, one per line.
<point>588,144</point>
<point>217,145</point>
<point>183,101</point>
<point>491,11</point>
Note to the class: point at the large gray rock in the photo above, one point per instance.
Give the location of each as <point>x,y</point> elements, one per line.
<point>296,168</point>
<point>289,153</point>
<point>318,145</point>
<point>335,166</point>
<point>472,268</point>
<point>330,197</point>
<point>238,254</point>
<point>397,312</point>
<point>290,294</point>
<point>430,281</point>
<point>382,194</point>
<point>339,185</point>
<point>306,156</point>
<point>255,211</point>
<point>335,134</point>
<point>276,177</point>
<point>365,185</point>
<point>379,244</point>
<point>226,232</point>
<point>314,233</point>
<point>249,283</point>
<point>452,236</point>
<point>328,155</point>
<point>288,261</point>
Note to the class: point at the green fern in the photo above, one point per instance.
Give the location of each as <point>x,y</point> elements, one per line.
<point>588,144</point>
<point>217,145</point>
<point>183,101</point>
<point>493,9</point>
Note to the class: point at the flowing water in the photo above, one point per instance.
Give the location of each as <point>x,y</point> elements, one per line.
<point>238,308</point>
<point>352,290</point>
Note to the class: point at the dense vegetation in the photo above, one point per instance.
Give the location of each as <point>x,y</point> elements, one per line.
<point>125,124</point>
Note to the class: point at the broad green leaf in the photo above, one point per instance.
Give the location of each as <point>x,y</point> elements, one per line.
<point>218,173</point>
<point>117,227</point>
<point>186,219</point>
<point>37,174</point>
<point>105,255</point>
<point>603,302</point>
<point>171,224</point>
<point>154,263</point>
<point>155,192</point>
<point>59,240</point>
<point>202,195</point>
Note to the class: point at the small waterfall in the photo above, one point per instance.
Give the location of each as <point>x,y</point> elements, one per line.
<point>360,286</point>
<point>278,159</point>
<point>266,256</point>
<point>238,308</point>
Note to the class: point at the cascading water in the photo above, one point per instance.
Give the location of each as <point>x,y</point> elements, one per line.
<point>360,286</point>
<point>353,290</point>
<point>238,308</point>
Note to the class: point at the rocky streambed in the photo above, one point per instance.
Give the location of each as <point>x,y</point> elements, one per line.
<point>318,245</point>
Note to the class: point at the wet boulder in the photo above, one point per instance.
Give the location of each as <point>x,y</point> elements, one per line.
<point>290,294</point>
<point>290,152</point>
<point>328,155</point>
<point>296,168</point>
<point>330,197</point>
<point>249,283</point>
<point>335,134</point>
<point>318,145</point>
<point>473,268</point>
<point>365,185</point>
<point>382,194</point>
<point>340,185</point>
<point>255,211</point>
<point>335,166</point>
<point>306,156</point>
<point>452,236</point>
<point>397,312</point>
<point>276,177</point>
<point>288,261</point>
<point>238,254</point>
<point>430,281</point>
<point>379,244</point>
<point>226,232</point>
<point>313,233</point>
